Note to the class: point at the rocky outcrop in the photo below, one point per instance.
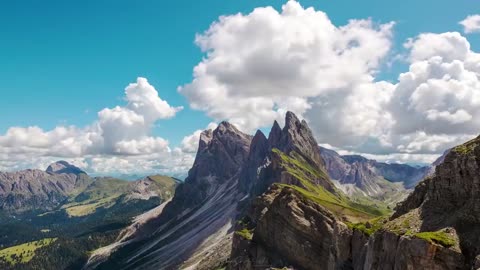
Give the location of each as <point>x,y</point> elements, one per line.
<point>451,198</point>
<point>387,250</point>
<point>293,231</point>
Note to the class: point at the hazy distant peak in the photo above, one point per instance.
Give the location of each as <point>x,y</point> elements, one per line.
<point>63,167</point>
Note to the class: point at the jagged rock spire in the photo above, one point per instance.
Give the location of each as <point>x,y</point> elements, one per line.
<point>295,136</point>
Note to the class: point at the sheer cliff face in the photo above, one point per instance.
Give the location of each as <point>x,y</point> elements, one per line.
<point>451,198</point>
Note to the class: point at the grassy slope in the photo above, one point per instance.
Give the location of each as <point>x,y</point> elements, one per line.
<point>338,203</point>
<point>88,211</point>
<point>101,193</point>
<point>106,191</point>
<point>25,252</point>
<point>165,185</point>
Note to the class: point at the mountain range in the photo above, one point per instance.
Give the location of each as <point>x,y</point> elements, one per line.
<point>265,203</point>
<point>360,178</point>
<point>71,211</point>
<point>276,202</point>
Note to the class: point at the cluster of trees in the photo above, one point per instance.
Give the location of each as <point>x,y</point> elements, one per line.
<point>64,253</point>
<point>76,236</point>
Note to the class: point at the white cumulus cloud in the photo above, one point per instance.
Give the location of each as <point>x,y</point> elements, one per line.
<point>259,65</point>
<point>471,24</point>
<point>120,140</point>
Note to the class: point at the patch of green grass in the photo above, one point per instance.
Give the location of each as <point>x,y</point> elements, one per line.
<point>245,233</point>
<point>369,227</point>
<point>89,207</point>
<point>466,147</point>
<point>307,175</point>
<point>25,252</point>
<point>438,237</point>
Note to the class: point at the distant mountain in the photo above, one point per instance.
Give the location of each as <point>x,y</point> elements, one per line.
<point>358,170</point>
<point>63,167</point>
<point>36,190</point>
<point>64,211</point>
<point>358,176</point>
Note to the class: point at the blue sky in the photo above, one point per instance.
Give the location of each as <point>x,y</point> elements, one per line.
<point>63,61</point>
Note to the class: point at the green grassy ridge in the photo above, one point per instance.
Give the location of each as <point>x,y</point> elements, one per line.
<point>438,237</point>
<point>369,227</point>
<point>297,163</point>
<point>467,147</point>
<point>24,253</point>
<point>106,192</point>
<point>339,204</point>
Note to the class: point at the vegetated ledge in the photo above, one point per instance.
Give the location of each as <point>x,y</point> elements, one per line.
<point>441,237</point>
<point>307,175</point>
<point>467,147</point>
<point>245,234</point>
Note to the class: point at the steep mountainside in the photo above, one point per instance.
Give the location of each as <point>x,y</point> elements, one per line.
<point>449,202</point>
<point>301,217</point>
<point>197,222</point>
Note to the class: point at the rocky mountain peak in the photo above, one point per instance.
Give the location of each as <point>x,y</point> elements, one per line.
<point>205,138</point>
<point>275,134</point>
<point>221,153</point>
<point>266,161</point>
<point>62,166</point>
<point>296,136</point>
<point>225,126</point>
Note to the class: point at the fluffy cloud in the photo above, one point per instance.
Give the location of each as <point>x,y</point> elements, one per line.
<point>261,64</point>
<point>439,95</point>
<point>119,141</point>
<point>435,105</point>
<point>471,24</point>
